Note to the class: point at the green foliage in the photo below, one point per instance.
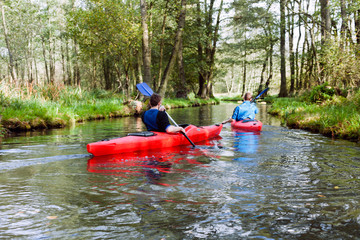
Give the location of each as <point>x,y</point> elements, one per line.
<point>321,93</point>
<point>341,67</point>
<point>339,117</point>
<point>235,98</point>
<point>58,105</point>
<point>180,102</point>
<point>270,99</point>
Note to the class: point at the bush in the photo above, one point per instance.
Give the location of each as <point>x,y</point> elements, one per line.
<point>321,93</point>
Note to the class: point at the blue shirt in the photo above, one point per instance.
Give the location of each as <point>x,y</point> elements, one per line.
<point>156,120</point>
<point>244,111</point>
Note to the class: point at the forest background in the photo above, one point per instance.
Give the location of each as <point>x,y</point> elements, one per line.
<point>181,48</point>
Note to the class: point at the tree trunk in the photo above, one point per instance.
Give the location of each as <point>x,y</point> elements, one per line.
<point>291,48</point>
<point>210,49</point>
<point>357,26</point>
<point>45,60</point>
<point>283,87</point>
<point>345,32</point>
<point>325,21</point>
<point>107,73</point>
<point>146,44</point>
<point>77,78</point>
<point>93,71</point>
<point>139,72</point>
<point>170,65</point>
<point>357,31</point>
<point>68,64</point>
<point>7,40</point>
<point>261,85</point>
<point>244,76</point>
<point>162,44</point>
<point>297,75</point>
<point>201,79</point>
<point>63,64</point>
<point>181,90</point>
<point>52,61</point>
<point>29,61</point>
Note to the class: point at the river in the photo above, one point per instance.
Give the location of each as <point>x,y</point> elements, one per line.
<point>277,184</point>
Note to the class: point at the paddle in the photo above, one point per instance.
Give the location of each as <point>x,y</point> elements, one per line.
<point>260,94</point>
<point>147,91</point>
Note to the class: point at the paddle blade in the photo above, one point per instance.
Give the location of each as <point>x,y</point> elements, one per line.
<point>144,89</point>
<point>262,93</point>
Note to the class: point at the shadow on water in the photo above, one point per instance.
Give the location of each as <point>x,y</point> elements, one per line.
<point>273,184</point>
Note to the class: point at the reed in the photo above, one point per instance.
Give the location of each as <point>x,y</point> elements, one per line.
<point>337,117</point>
<point>52,106</point>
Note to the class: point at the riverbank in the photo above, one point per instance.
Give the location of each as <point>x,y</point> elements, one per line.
<point>336,117</point>
<point>60,106</point>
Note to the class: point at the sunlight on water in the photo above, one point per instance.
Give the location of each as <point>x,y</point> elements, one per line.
<point>274,184</point>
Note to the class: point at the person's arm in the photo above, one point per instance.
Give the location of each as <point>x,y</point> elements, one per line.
<point>233,117</point>
<point>174,129</point>
<point>227,120</point>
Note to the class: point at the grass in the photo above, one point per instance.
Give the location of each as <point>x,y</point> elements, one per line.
<point>337,117</point>
<point>57,106</point>
<point>234,98</point>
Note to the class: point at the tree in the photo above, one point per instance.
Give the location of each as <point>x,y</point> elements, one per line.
<point>8,45</point>
<point>207,48</point>
<point>283,87</point>
<point>146,50</point>
<point>177,45</point>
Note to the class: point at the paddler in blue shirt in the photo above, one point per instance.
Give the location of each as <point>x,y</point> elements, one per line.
<point>156,118</point>
<point>246,110</point>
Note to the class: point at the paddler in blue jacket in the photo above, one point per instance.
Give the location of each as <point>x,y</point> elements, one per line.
<point>156,118</point>
<point>246,110</point>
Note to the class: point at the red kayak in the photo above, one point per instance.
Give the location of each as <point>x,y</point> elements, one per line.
<point>250,125</point>
<point>133,163</point>
<point>153,140</point>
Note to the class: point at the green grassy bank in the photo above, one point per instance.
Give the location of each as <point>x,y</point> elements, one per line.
<point>58,106</point>
<point>328,114</point>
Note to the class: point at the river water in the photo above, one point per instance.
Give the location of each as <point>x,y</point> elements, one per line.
<point>278,184</point>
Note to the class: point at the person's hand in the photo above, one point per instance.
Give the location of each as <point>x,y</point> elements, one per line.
<point>162,108</point>
<point>182,129</point>
<point>226,121</point>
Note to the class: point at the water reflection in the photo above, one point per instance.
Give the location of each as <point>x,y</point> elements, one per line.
<point>246,141</point>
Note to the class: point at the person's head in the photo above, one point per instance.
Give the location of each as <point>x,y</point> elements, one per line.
<point>248,96</point>
<point>155,99</point>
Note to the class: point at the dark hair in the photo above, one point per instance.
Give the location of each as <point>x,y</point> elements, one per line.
<point>247,96</point>
<point>155,99</point>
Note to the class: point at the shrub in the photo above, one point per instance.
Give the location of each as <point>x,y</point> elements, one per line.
<point>321,93</point>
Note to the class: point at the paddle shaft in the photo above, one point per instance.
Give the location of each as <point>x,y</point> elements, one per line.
<point>180,131</point>
<point>147,91</point>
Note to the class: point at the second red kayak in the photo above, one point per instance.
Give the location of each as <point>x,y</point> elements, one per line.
<point>153,140</point>
<point>250,125</point>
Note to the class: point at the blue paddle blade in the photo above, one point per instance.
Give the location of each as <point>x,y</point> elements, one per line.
<point>144,89</point>
<point>262,93</point>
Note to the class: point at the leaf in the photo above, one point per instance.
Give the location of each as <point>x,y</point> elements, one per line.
<point>51,217</point>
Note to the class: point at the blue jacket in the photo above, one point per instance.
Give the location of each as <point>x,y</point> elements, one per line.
<point>244,111</point>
